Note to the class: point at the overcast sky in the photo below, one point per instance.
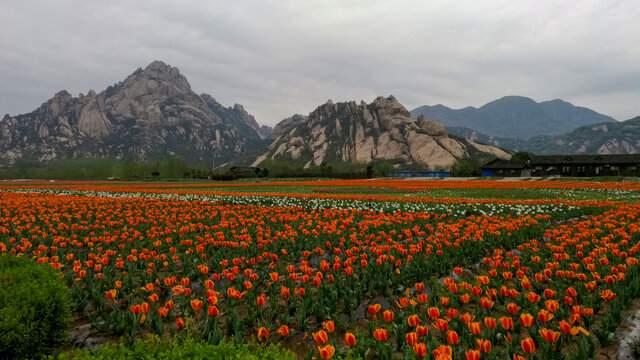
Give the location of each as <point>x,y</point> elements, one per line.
<point>278,58</point>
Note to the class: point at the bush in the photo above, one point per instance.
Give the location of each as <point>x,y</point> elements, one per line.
<point>34,308</point>
<point>462,168</point>
<point>171,349</point>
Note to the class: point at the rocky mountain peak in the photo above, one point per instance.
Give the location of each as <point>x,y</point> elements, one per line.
<point>380,131</point>
<point>153,113</point>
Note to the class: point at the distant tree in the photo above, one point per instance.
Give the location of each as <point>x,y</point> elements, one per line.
<point>369,171</point>
<point>462,168</point>
<point>384,167</point>
<point>521,157</point>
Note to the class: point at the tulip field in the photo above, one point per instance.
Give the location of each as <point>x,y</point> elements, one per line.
<point>375,269</point>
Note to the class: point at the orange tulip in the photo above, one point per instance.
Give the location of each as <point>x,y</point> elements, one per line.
<point>452,313</point>
<point>283,330</point>
<point>413,320</point>
<point>329,325</point>
<point>490,322</point>
<point>434,313</point>
<point>565,327</point>
<point>110,294</point>
<point>373,309</point>
<point>551,305</point>
<point>420,350</point>
<point>533,297</point>
<point>422,330</point>
<point>465,298</point>
<point>506,322</point>
<point>443,352</point>
<point>475,328</point>
<point>544,315</point>
<point>196,304</point>
<point>136,309</point>
<point>486,303</point>
<point>441,324</point>
<point>163,311</point>
<point>326,352</point>
<point>467,318</point>
<point>387,315</point>
<point>380,334</point>
<point>549,335</point>
<point>512,308</point>
<point>320,337</point>
<point>208,284</point>
<point>527,320</point>
<point>484,345</point>
<point>472,355</point>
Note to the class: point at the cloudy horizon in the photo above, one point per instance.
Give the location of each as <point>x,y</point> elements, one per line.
<point>279,58</point>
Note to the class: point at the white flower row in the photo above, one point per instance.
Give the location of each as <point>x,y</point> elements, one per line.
<point>457,210</point>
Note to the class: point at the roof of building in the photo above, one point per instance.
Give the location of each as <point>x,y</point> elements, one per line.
<point>503,164</point>
<point>586,159</point>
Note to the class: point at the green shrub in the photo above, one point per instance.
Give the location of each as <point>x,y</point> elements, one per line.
<point>34,308</point>
<point>171,349</point>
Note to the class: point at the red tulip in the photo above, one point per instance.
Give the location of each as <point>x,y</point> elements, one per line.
<point>528,346</point>
<point>412,338</point>
<point>350,339</point>
<point>452,337</point>
<point>180,323</point>
<point>263,333</point>
<point>213,310</point>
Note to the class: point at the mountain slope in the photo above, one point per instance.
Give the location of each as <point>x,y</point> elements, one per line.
<point>603,138</point>
<point>515,117</point>
<point>152,114</point>
<point>380,131</point>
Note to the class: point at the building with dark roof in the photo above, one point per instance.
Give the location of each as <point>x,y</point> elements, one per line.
<point>407,174</point>
<point>586,165</point>
<point>505,168</point>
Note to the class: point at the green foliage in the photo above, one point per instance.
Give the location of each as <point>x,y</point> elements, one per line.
<point>103,169</point>
<point>171,349</point>
<point>521,157</point>
<point>334,169</point>
<point>462,168</point>
<point>34,308</point>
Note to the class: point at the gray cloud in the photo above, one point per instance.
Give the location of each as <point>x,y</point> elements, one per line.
<point>278,58</point>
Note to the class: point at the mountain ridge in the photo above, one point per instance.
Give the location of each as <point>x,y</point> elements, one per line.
<point>151,114</point>
<point>360,132</point>
<point>515,117</point>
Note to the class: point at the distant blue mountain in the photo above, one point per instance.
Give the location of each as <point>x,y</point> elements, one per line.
<point>515,117</point>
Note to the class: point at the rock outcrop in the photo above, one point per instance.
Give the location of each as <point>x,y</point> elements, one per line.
<point>152,114</point>
<point>380,131</point>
